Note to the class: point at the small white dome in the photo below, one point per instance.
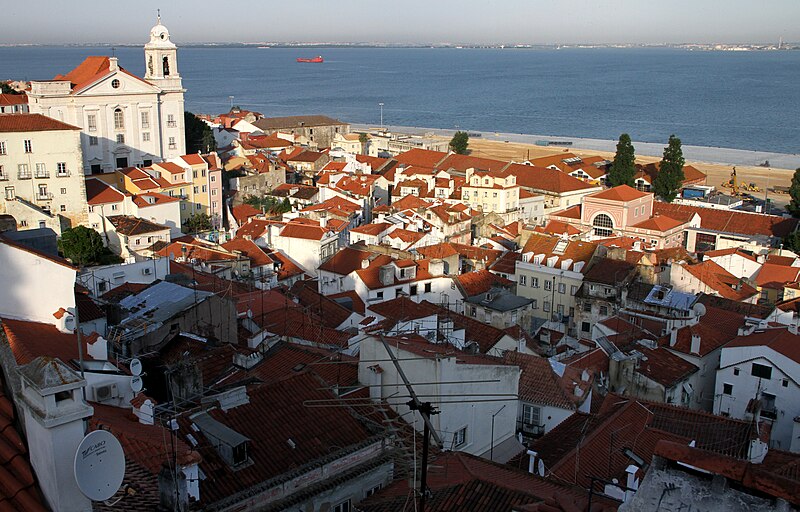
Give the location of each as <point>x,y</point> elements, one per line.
<point>159,36</point>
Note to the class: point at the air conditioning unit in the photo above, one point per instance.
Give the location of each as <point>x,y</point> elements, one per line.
<point>147,271</point>
<point>104,392</point>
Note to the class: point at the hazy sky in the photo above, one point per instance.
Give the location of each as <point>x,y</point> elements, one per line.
<point>413,21</point>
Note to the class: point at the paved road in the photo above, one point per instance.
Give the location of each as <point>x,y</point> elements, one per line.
<point>723,156</point>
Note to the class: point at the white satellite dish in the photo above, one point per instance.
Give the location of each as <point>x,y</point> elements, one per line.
<point>99,465</point>
<point>136,367</point>
<point>540,467</point>
<point>136,384</point>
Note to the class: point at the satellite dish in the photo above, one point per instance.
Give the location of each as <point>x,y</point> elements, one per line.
<point>99,465</point>
<point>540,467</point>
<point>136,383</point>
<point>136,367</point>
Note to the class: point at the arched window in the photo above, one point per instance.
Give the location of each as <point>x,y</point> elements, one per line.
<point>119,119</point>
<point>603,225</point>
<point>166,66</point>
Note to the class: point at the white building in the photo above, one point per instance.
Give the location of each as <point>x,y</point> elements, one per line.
<point>40,172</point>
<point>760,371</point>
<point>125,120</point>
<point>491,192</point>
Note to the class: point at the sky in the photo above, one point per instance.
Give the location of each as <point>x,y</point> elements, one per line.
<point>406,21</point>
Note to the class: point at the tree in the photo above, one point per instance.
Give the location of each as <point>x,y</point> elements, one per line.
<point>82,245</point>
<point>199,136</point>
<point>623,169</point>
<point>5,88</point>
<point>459,142</point>
<point>670,172</point>
<point>269,204</point>
<point>794,192</point>
<point>197,222</point>
<point>792,242</point>
<point>363,139</point>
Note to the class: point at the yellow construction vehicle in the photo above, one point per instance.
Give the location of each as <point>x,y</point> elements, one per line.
<point>732,183</point>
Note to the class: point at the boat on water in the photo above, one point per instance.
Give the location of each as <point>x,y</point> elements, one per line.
<point>316,60</point>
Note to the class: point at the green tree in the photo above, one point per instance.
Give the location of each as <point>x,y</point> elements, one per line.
<point>5,88</point>
<point>670,172</point>
<point>82,245</point>
<point>364,140</point>
<point>199,136</point>
<point>269,204</point>
<point>623,169</point>
<point>794,192</point>
<point>197,222</point>
<point>792,242</point>
<point>460,142</point>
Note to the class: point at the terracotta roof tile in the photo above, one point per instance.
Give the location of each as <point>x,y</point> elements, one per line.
<point>540,384</point>
<point>243,212</point>
<point>98,192</point>
<point>31,123</point>
<point>421,157</point>
<point>720,280</point>
<point>730,221</point>
<point>132,226</point>
<point>546,179</point>
<point>776,276</point>
<point>258,258</point>
<point>480,281</point>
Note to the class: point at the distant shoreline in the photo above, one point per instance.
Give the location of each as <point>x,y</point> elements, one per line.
<point>703,154</point>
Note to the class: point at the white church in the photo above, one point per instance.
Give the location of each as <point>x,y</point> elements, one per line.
<point>125,120</point>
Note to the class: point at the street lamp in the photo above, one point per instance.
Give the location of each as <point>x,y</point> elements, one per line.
<point>491,450</point>
<point>381,105</point>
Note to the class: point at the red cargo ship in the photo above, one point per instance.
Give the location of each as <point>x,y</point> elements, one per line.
<point>317,60</point>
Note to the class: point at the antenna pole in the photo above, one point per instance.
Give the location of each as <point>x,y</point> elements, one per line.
<point>426,410</point>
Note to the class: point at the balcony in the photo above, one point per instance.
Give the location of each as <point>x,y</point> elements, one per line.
<point>4,176</point>
<point>62,173</point>
<point>530,430</point>
<point>44,196</point>
<point>24,175</point>
<point>42,174</point>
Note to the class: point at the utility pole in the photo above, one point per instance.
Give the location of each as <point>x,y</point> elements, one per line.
<point>381,105</point>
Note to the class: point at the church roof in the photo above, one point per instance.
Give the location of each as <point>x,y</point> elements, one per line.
<point>91,70</point>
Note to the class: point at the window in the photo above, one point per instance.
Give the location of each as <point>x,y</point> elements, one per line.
<point>63,191</point>
<point>22,172</point>
<point>196,189</point>
<point>2,147</point>
<point>428,287</point>
<point>573,290</point>
<point>460,437</point>
<point>171,121</point>
<point>534,282</point>
<point>587,307</point>
<point>785,383</point>
<point>145,120</point>
<point>604,310</point>
<point>198,206</point>
<point>379,295</point>
<point>585,326</point>
<point>172,144</point>
<point>120,138</point>
<point>562,288</point>
<point>370,492</point>
<point>548,285</point>
<point>736,371</point>
<point>10,193</point>
<point>92,140</point>
<point>119,119</point>
<point>43,191</point>
<point>97,169</point>
<point>473,311</point>
<point>727,389</point>
<point>203,188</point>
<point>115,84</point>
<point>114,207</point>
<point>145,136</point>
<point>535,304</point>
<point>41,170</point>
<point>761,371</point>
<point>531,415</point>
<point>342,507</point>
<point>28,146</point>
<point>23,223</point>
<point>560,309</point>
<point>603,225</point>
<point>546,306</point>
<point>62,208</point>
<point>213,178</point>
<point>61,169</point>
<point>523,280</point>
<point>2,174</point>
<point>412,289</point>
<point>213,191</point>
<point>91,122</point>
<point>768,406</point>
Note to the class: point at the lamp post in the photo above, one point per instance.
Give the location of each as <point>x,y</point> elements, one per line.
<point>491,450</point>
<point>381,105</point>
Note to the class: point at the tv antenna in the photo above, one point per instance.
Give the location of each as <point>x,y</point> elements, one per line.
<point>99,465</point>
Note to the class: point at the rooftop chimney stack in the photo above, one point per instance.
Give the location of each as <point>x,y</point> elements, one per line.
<point>695,348</point>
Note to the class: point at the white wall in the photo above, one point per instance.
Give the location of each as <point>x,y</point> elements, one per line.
<point>33,287</point>
<point>144,272</point>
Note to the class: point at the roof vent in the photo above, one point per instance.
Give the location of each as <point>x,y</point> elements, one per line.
<point>231,445</point>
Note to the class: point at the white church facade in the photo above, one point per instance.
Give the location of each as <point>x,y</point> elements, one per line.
<point>125,120</point>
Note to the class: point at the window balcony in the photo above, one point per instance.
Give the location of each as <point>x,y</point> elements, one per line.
<point>4,176</point>
<point>26,175</point>
<point>529,429</point>
<point>42,174</point>
<point>172,124</point>
<point>62,173</point>
<point>44,196</point>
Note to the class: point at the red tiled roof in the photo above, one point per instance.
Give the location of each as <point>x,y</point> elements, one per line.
<point>556,227</point>
<point>608,271</point>
<point>91,70</point>
<point>731,251</point>
<point>659,223</point>
<point>193,159</point>
<point>573,212</point>
<point>255,228</point>
<point>547,161</point>
<point>595,360</point>
<point>29,340</point>
<point>8,100</point>
<point>304,230</point>
<point>287,359</point>
<point>258,258</point>
<point>202,253</point>
<point>18,487</point>
<point>376,228</point>
<point>464,162</point>
<point>546,179</point>
<point>129,225</point>
<point>786,261</point>
<point>148,199</point>
<point>621,193</point>
<point>729,221</point>
<point>345,261</point>
<point>780,340</point>
<point>664,367</point>
<point>31,123</point>
<point>36,252</point>
<point>720,280</point>
<point>421,157</point>
<point>438,251</point>
<point>98,192</point>
<point>458,481</point>
<point>776,276</point>
<point>358,304</point>
<point>715,329</point>
<point>409,237</point>
<point>480,281</point>
<point>243,212</point>
<point>507,263</point>
<point>306,156</point>
<point>170,167</point>
<point>124,290</point>
<point>577,251</point>
<point>409,202</point>
<point>540,384</point>
<point>276,413</point>
<point>286,267</point>
<point>329,311</point>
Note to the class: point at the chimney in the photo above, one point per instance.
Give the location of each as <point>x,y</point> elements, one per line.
<point>436,267</point>
<point>386,275</point>
<point>632,482</point>
<point>364,263</point>
<point>54,413</point>
<point>695,349</point>
<point>323,220</point>
<point>793,328</point>
<point>144,408</point>
<point>173,492</point>
<point>531,461</point>
<point>673,337</point>
<point>113,64</point>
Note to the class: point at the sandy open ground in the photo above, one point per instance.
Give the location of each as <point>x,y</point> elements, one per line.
<point>717,174</point>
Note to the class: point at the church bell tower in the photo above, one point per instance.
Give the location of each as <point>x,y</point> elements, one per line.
<point>161,59</point>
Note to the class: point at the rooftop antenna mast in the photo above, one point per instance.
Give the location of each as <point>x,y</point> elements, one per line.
<point>426,410</point>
